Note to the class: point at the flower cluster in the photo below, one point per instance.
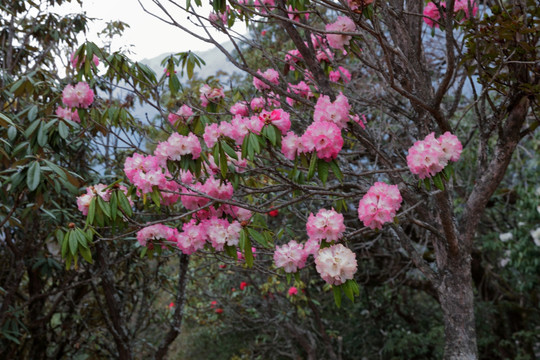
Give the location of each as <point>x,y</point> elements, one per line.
<point>270,74</point>
<point>156,232</point>
<point>323,137</point>
<point>78,96</point>
<point>342,24</point>
<point>290,257</point>
<point>336,112</point>
<point>432,12</point>
<point>379,205</point>
<point>145,172</point>
<point>336,264</point>
<point>429,156</point>
<point>177,146</point>
<point>326,225</point>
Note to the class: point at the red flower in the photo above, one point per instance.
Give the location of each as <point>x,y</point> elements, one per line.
<point>171,305</point>
<point>243,285</point>
<point>219,310</point>
<point>213,304</point>
<point>273,213</point>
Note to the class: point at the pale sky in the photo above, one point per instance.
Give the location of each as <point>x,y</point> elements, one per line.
<point>150,36</point>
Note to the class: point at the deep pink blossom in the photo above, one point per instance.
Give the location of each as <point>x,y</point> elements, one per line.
<point>323,137</point>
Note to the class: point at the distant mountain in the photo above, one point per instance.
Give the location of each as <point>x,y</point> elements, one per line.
<point>215,61</point>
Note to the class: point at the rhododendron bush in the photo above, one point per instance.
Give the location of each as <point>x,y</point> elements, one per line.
<point>348,139</point>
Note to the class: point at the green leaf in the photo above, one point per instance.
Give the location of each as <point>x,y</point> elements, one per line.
<point>427,184</point>
<point>32,113</point>
<point>91,211</point>
<point>337,295</point>
<point>113,202</point>
<point>223,166</point>
<point>42,135</point>
<point>248,254</point>
<point>104,206</point>
<point>30,129</point>
<point>337,172</point>
<point>12,133</point>
<point>81,238</point>
<point>57,169</point>
<point>33,176</point>
<point>65,245</point>
<point>229,150</point>
<point>231,251</point>
<point>86,254</point>
<point>348,290</point>
<point>73,242</point>
<point>124,203</point>
<point>257,237</point>
<point>253,140</point>
<point>156,196</point>
<point>323,170</point>
<point>438,181</point>
<point>59,236</point>
<point>312,165</point>
<point>63,130</point>
<point>271,134</point>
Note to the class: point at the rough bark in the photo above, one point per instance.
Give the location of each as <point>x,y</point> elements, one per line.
<point>457,302</point>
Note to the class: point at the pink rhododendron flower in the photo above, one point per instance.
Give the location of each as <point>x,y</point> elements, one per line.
<point>240,108</point>
<point>323,137</point>
<point>192,237</point>
<point>311,247</point>
<point>431,11</point>
<point>75,60</point>
<point>336,264</point>
<point>184,113</point>
<point>270,74</point>
<point>340,74</point>
<point>220,232</point>
<point>289,145</point>
<point>211,135</point>
<point>257,104</point>
<point>379,205</point>
<point>178,145</point>
<point>292,291</point>
<point>336,112</point>
<point>326,225</point>
<point>429,156</point>
<point>209,94</point>
<point>155,232</point>
<point>290,257</point>
<point>342,24</point>
<point>68,114</point>
<point>278,118</point>
<point>451,146</point>
<point>79,96</point>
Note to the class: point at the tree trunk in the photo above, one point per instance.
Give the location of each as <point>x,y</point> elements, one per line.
<point>457,302</point>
